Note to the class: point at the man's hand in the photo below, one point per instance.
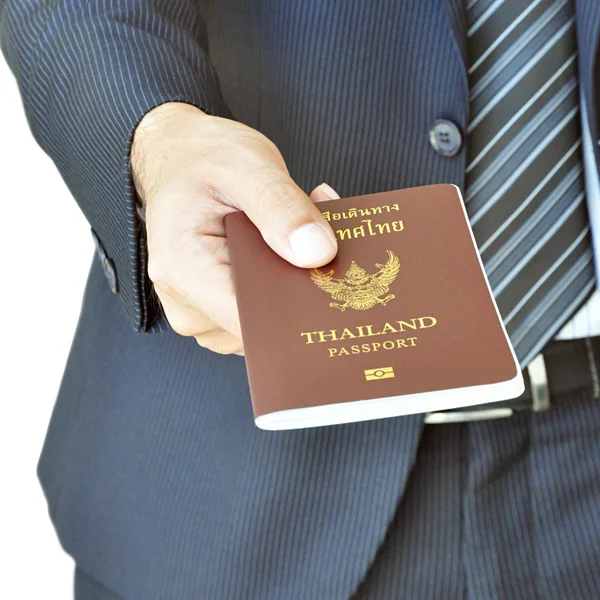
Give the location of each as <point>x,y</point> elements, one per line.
<point>191,169</point>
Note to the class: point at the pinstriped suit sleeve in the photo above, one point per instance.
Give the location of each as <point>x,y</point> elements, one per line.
<point>88,71</point>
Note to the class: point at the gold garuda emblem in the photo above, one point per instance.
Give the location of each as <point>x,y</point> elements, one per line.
<point>358,289</point>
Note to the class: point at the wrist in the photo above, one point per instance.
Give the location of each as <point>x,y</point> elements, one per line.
<point>147,135</point>
<point>161,116</point>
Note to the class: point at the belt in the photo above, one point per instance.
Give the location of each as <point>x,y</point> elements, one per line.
<point>564,368</point>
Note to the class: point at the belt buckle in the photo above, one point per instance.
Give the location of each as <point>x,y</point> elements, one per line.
<point>540,400</point>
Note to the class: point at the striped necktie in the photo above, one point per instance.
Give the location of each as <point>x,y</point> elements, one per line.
<point>525,191</point>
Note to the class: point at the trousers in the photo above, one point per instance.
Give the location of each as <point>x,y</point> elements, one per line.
<point>499,509</point>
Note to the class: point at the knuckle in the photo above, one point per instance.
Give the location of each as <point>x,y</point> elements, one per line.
<point>216,347</point>
<point>181,324</point>
<point>220,350</point>
<point>256,144</point>
<point>218,343</point>
<point>271,148</point>
<point>157,272</point>
<point>162,278</point>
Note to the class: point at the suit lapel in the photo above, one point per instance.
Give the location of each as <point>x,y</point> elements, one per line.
<point>458,22</point>
<point>457,19</point>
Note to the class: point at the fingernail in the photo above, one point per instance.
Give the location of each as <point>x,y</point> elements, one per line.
<point>329,191</point>
<point>311,243</point>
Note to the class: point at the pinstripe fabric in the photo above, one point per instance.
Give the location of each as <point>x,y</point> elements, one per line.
<point>161,486</point>
<point>88,588</point>
<point>88,72</point>
<point>532,514</point>
<point>499,509</point>
<point>157,481</point>
<point>422,553</point>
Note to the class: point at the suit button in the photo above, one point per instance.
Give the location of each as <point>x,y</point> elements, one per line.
<point>107,264</point>
<point>111,275</point>
<point>99,247</point>
<point>445,137</point>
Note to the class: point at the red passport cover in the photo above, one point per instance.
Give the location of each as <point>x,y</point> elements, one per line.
<point>403,309</point>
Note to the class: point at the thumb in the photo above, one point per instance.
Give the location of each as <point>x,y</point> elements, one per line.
<point>288,220</point>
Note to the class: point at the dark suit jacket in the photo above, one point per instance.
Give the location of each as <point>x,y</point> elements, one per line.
<point>157,480</point>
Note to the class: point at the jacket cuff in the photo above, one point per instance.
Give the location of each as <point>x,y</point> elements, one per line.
<point>95,79</point>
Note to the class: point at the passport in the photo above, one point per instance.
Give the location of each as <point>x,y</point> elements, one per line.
<point>401,321</point>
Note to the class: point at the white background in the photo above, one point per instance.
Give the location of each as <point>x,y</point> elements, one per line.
<point>45,253</point>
